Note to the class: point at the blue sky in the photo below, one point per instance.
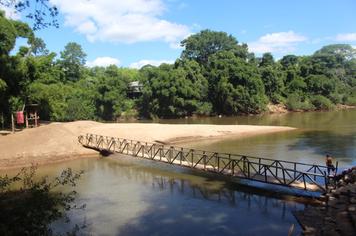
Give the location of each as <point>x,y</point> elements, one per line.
<point>135,32</point>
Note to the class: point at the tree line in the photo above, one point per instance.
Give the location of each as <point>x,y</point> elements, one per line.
<point>214,75</point>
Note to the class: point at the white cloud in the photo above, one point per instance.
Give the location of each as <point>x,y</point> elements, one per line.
<point>10,12</point>
<point>103,61</point>
<point>125,21</point>
<point>346,37</point>
<point>283,42</point>
<point>141,63</point>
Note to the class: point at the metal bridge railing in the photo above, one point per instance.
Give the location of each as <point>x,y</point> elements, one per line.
<point>310,177</point>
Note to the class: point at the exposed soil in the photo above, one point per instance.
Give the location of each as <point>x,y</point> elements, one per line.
<point>57,142</point>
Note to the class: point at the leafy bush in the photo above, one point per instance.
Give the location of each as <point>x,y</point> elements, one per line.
<point>336,98</point>
<point>321,103</point>
<point>32,207</point>
<point>296,102</point>
<point>205,108</point>
<point>79,109</point>
<point>351,101</point>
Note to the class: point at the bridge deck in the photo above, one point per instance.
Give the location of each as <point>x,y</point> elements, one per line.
<point>297,175</point>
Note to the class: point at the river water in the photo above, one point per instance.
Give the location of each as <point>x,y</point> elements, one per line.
<point>318,134</point>
<point>127,196</point>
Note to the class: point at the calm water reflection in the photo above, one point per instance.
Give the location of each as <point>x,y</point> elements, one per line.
<point>125,196</point>
<point>318,133</point>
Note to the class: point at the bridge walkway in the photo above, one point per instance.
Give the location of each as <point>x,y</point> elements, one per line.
<point>310,177</point>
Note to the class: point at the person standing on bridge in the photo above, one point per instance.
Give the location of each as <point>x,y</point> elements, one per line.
<point>329,163</point>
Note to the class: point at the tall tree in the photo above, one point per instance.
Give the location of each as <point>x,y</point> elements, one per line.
<point>273,83</point>
<point>342,51</point>
<point>235,85</point>
<point>12,79</point>
<point>267,60</point>
<point>72,60</point>
<point>38,47</point>
<point>289,61</point>
<point>8,34</point>
<point>202,45</point>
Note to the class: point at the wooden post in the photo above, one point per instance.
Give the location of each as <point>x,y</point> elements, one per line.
<point>233,167</point>
<point>337,165</point>
<point>181,155</point>
<point>244,164</point>
<point>265,169</point>
<point>171,155</point>
<point>218,163</point>
<point>12,122</point>
<point>26,118</point>
<point>154,151</point>
<point>204,158</point>
<point>326,181</point>
<point>2,120</point>
<point>315,173</point>
<point>35,118</point>
<point>259,166</point>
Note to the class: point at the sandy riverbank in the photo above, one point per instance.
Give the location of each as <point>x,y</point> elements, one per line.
<point>58,142</point>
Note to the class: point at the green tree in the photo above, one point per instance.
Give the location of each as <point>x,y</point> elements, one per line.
<point>53,99</point>
<point>41,12</point>
<point>343,52</point>
<point>110,86</point>
<point>273,83</point>
<point>320,85</point>
<point>72,61</point>
<point>235,86</point>
<point>13,84</point>
<point>38,47</point>
<point>267,60</point>
<point>289,61</point>
<point>174,90</point>
<point>202,45</point>
<point>8,35</point>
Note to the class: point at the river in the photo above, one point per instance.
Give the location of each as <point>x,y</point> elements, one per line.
<point>318,134</point>
<point>127,196</point>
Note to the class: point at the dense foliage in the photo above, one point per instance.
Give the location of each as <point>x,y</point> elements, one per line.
<point>214,75</point>
<point>29,206</point>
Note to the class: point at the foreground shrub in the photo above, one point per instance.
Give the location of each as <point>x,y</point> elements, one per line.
<point>28,207</point>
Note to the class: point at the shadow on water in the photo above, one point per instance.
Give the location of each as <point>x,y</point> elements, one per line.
<point>128,196</point>
<point>227,212</point>
<point>341,146</point>
<point>181,203</point>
